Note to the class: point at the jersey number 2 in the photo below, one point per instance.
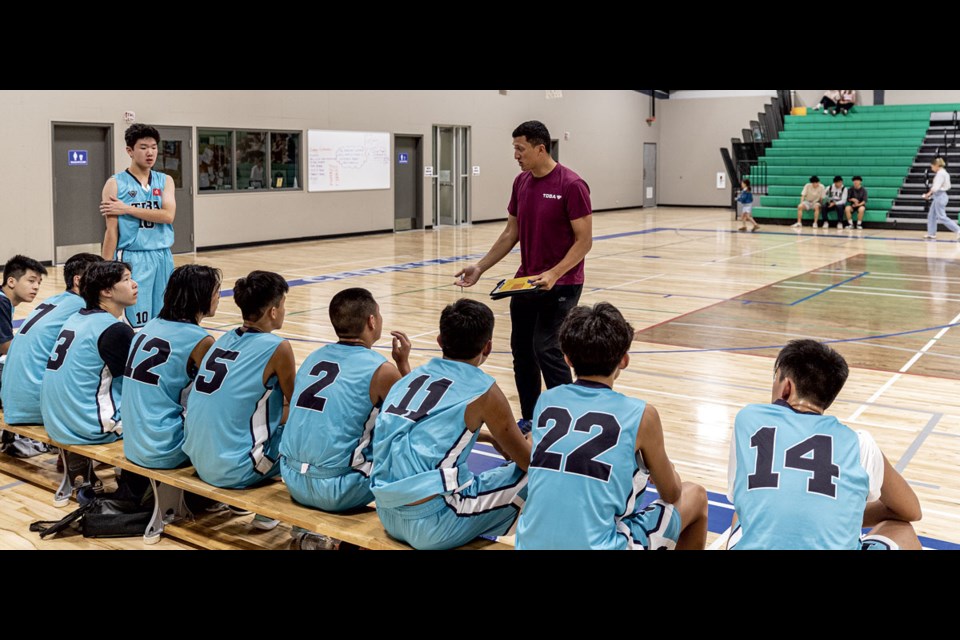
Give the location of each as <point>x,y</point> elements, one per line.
<point>309,398</point>
<point>814,455</point>
<point>582,460</point>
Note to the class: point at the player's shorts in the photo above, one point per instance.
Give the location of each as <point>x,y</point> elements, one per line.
<point>490,506</point>
<point>808,205</point>
<point>876,542</point>
<point>332,490</point>
<point>872,542</point>
<point>150,270</point>
<point>655,527</point>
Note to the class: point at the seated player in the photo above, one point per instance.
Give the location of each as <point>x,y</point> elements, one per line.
<point>21,282</point>
<point>426,495</point>
<point>856,201</point>
<point>82,385</point>
<point>162,365</point>
<point>799,479</point>
<point>339,390</point>
<point>241,395</point>
<point>836,202</point>
<point>27,358</point>
<point>585,483</point>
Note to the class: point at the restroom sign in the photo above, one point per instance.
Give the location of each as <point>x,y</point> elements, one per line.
<point>77,157</point>
<point>403,158</point>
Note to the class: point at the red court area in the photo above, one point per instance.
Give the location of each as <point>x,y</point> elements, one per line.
<point>880,309</point>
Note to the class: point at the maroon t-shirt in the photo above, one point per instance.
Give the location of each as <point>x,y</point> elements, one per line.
<point>544,208</point>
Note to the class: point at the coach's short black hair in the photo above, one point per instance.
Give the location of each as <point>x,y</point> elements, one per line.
<point>19,265</point>
<point>465,327</point>
<point>259,291</point>
<point>349,310</point>
<point>535,133</point>
<point>99,277</point>
<point>140,131</point>
<point>189,292</point>
<point>595,339</point>
<point>76,265</point>
<point>817,371</point>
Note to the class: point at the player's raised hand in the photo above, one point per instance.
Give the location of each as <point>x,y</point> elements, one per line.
<point>468,276</point>
<point>401,351</point>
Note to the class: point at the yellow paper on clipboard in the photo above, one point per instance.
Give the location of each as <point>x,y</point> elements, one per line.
<point>512,287</point>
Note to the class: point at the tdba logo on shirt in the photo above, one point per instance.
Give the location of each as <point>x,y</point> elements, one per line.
<point>552,196</point>
<point>156,191</point>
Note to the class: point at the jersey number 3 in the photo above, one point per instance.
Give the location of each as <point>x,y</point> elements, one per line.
<point>814,455</point>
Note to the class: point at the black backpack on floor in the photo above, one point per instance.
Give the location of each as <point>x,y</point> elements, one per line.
<point>121,514</point>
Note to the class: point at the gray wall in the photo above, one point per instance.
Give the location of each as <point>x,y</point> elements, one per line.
<point>692,132</point>
<point>606,130</point>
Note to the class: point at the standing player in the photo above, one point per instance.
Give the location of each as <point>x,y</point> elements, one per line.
<point>139,208</point>
<point>241,396</point>
<point>163,362</point>
<point>585,481</point>
<point>426,495</point>
<point>339,390</point>
<point>799,479</point>
<point>550,216</point>
<point>27,358</point>
<point>81,390</point>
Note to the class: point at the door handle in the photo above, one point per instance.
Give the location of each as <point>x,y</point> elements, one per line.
<point>644,174</point>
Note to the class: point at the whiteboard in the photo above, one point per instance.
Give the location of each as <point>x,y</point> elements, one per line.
<point>348,160</point>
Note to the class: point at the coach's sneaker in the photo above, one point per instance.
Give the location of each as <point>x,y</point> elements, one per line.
<point>526,426</point>
<point>264,523</point>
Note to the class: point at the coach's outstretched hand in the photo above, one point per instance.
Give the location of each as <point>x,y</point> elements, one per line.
<point>401,351</point>
<point>468,276</point>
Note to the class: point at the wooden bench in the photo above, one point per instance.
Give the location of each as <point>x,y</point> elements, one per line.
<point>272,500</point>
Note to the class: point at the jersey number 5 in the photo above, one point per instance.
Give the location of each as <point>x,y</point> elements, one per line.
<point>216,364</point>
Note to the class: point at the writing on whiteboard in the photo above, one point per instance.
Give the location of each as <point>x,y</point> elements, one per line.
<point>348,160</point>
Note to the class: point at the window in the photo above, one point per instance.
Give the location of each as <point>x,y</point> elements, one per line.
<point>214,160</point>
<point>251,160</point>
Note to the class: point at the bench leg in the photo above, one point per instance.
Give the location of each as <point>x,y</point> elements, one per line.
<point>168,506</point>
<point>77,472</point>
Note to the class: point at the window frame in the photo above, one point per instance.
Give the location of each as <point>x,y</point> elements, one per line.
<point>267,165</point>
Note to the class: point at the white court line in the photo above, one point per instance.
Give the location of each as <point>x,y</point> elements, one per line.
<point>657,275</point>
<point>721,541</point>
<point>945,514</point>
<point>750,253</point>
<point>906,367</point>
<point>862,292</point>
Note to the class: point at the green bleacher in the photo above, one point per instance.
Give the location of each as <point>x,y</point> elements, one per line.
<point>876,142</point>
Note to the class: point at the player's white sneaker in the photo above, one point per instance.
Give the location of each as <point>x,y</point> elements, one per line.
<point>264,523</point>
<point>796,225</point>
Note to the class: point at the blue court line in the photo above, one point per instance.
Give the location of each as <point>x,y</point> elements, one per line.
<point>825,289</point>
<point>11,485</point>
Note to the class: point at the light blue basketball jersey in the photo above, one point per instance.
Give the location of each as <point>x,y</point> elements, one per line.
<point>157,381</point>
<point>136,234</point>
<point>797,480</point>
<point>28,354</point>
<point>232,415</point>
<point>331,419</point>
<point>421,442</point>
<point>79,397</point>
<point>585,471</point>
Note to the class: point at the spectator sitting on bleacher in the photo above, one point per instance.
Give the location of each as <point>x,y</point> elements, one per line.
<point>836,202</point>
<point>829,101</point>
<point>856,199</point>
<point>810,198</point>
<point>847,98</point>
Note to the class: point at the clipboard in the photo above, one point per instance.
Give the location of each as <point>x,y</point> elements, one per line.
<point>513,287</point>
